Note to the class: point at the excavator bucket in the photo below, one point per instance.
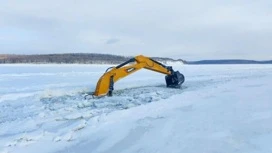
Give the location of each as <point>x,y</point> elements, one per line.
<point>174,80</point>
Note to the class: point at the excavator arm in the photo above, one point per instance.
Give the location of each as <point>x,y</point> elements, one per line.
<point>113,74</point>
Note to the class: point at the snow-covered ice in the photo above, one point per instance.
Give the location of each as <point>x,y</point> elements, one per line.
<point>220,109</point>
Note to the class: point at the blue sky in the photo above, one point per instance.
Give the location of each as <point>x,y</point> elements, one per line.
<point>190,30</point>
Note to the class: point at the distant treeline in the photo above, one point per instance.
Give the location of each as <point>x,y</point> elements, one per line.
<point>94,58</point>
<point>71,58</point>
<point>229,61</point>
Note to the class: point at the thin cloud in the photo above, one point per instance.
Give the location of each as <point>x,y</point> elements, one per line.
<point>112,41</point>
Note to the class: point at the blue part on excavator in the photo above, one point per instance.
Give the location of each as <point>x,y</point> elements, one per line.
<point>174,80</point>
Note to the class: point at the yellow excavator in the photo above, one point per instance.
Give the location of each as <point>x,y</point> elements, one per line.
<point>174,79</point>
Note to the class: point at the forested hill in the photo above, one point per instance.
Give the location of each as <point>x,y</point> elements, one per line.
<point>72,58</point>
<point>95,58</point>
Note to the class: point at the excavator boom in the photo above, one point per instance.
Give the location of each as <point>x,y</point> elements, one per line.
<point>106,82</point>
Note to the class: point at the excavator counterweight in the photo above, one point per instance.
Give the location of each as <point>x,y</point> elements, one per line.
<point>174,79</point>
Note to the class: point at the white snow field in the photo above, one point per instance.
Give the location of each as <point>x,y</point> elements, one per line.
<point>220,109</point>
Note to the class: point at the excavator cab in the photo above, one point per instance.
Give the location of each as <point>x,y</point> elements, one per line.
<point>174,79</point>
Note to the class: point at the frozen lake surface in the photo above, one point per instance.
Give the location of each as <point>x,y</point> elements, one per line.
<point>220,109</point>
